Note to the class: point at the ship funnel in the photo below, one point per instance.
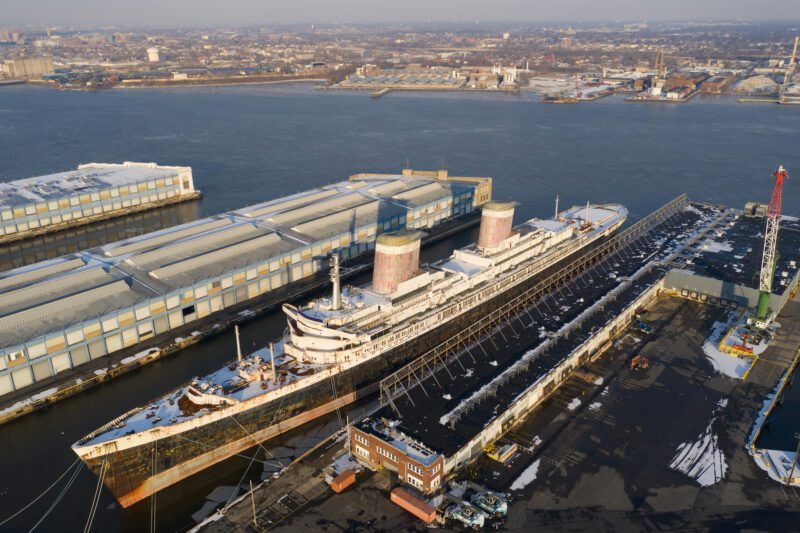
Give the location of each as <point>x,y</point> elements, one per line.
<point>396,260</point>
<point>496,222</point>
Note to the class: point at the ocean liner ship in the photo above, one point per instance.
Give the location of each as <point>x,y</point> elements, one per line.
<point>335,349</point>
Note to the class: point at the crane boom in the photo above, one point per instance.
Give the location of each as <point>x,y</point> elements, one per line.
<point>769,259</point>
<point>787,77</point>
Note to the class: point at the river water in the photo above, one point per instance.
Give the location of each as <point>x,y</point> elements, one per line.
<point>247,144</point>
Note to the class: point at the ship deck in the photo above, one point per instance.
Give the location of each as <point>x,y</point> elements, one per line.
<point>223,383</point>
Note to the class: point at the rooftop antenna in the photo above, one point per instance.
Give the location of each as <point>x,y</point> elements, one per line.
<point>238,344</point>
<point>442,167</point>
<point>408,163</point>
<point>556,217</point>
<point>336,300</point>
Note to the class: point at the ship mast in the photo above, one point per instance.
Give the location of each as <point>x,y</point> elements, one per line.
<point>336,300</point>
<point>556,217</point>
<point>272,362</point>
<point>587,214</point>
<point>238,344</point>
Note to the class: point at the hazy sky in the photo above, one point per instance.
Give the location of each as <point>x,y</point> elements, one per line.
<point>200,12</point>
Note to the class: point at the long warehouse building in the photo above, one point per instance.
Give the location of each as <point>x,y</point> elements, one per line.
<point>62,313</point>
<point>95,191</point>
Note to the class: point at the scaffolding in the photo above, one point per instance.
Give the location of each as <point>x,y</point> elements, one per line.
<point>448,352</point>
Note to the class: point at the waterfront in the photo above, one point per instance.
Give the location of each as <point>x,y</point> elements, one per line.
<point>251,143</point>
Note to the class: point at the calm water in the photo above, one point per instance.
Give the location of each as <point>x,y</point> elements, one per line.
<point>252,143</point>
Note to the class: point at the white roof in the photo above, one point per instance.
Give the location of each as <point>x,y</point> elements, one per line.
<point>88,179</point>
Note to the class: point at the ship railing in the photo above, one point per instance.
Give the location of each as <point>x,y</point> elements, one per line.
<point>450,350</point>
<point>109,425</point>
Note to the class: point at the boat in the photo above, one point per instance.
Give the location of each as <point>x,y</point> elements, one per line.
<point>335,349</point>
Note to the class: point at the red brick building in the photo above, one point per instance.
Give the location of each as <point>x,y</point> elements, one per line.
<point>380,444</point>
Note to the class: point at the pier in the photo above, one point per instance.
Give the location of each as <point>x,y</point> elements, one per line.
<point>382,92</point>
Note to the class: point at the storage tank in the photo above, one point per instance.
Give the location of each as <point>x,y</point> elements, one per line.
<point>496,222</point>
<point>396,260</point>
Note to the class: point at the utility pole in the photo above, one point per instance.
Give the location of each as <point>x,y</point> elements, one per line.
<point>253,501</point>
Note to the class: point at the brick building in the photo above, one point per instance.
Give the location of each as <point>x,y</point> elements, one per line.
<point>379,443</point>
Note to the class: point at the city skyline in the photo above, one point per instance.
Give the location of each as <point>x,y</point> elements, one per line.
<point>248,12</point>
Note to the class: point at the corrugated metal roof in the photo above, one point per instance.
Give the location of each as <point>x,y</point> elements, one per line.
<point>275,206</point>
<point>264,242</point>
<point>33,274</point>
<point>82,299</point>
<point>318,209</point>
<point>166,236</point>
<point>51,289</point>
<point>201,244</point>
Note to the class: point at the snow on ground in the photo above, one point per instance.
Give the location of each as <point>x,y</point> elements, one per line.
<point>527,476</point>
<point>30,400</point>
<point>702,459</point>
<point>138,356</point>
<point>715,247</point>
<point>724,363</point>
<point>447,397</point>
<point>599,381</point>
<point>574,404</point>
<point>493,363</point>
<point>595,406</point>
<point>100,371</point>
<point>536,440</point>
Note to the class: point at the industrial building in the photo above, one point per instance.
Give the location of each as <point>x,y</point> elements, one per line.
<point>62,313</point>
<point>380,444</point>
<point>25,68</point>
<point>94,191</point>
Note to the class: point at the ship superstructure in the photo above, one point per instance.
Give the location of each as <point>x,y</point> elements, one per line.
<point>335,348</point>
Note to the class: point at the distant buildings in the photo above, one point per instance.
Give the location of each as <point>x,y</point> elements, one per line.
<point>28,67</point>
<point>636,26</point>
<point>7,36</point>
<point>152,54</point>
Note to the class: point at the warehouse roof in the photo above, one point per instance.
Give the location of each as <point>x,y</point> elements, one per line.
<point>86,179</point>
<point>54,294</point>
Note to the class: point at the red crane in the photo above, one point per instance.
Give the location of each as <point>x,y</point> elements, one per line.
<point>770,258</point>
